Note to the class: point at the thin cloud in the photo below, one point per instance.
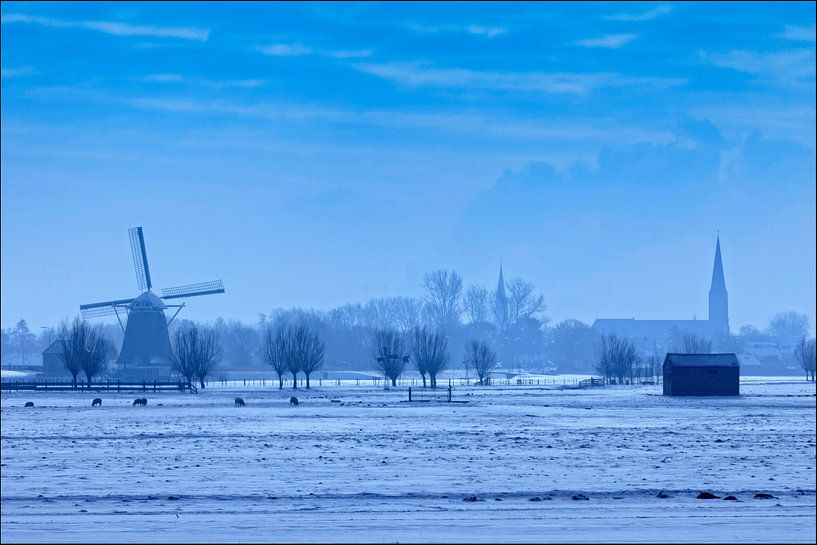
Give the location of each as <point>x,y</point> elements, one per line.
<point>609,41</point>
<point>476,30</point>
<point>113,28</point>
<point>18,72</point>
<point>205,82</point>
<point>300,50</point>
<point>637,17</point>
<point>418,75</point>
<point>799,33</point>
<point>788,68</point>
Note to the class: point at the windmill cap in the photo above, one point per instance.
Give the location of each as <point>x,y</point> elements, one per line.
<point>149,300</point>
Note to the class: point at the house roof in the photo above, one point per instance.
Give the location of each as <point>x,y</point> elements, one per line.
<point>53,348</point>
<point>702,360</point>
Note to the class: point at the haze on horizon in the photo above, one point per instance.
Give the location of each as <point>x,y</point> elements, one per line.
<point>316,154</point>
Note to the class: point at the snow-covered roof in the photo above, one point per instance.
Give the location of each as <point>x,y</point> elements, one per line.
<point>703,360</point>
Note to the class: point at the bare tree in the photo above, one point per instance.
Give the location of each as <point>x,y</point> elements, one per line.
<point>523,301</point>
<point>806,352</point>
<point>443,292</point>
<point>276,351</point>
<point>616,357</point>
<point>196,351</point>
<point>306,347</point>
<point>72,341</point>
<point>430,352</point>
<point>480,357</point>
<point>389,354</point>
<point>98,352</point>
<point>477,304</point>
<point>693,344</point>
<point>788,327</point>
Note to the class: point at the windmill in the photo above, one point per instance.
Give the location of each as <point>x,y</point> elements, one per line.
<point>146,348</point>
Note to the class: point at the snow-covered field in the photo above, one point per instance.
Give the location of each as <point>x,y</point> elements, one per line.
<point>374,468</point>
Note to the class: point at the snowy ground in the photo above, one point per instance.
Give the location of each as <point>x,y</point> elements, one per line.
<point>374,468</point>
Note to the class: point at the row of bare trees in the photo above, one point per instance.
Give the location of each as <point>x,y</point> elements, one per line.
<point>293,349</point>
<point>196,352</point>
<point>806,354</point>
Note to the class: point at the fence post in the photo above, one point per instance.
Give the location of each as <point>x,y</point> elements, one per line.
<point>409,394</point>
<point>154,386</point>
<point>144,385</point>
<point>449,392</point>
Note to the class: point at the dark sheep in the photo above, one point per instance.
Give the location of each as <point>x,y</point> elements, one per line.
<point>97,401</point>
<point>293,400</point>
<point>140,401</point>
<point>239,402</point>
<point>31,403</point>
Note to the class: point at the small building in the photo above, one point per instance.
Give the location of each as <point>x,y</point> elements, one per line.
<point>701,375</point>
<point>53,365</point>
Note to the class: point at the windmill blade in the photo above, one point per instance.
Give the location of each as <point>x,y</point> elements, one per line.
<point>194,290</point>
<point>107,308</point>
<point>140,258</point>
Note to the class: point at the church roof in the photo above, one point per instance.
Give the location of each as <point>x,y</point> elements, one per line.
<point>658,329</point>
<point>718,281</point>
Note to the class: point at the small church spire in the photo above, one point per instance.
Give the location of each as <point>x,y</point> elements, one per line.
<point>718,296</point>
<point>501,301</point>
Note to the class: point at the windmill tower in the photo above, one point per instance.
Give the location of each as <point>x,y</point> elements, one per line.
<point>145,352</point>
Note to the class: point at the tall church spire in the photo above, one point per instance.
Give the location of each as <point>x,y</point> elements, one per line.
<point>718,296</point>
<point>501,301</point>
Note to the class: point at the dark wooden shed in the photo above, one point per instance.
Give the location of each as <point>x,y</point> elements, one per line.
<point>701,375</point>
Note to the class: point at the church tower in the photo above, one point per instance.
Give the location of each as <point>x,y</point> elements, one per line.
<point>718,299</point>
<point>501,302</point>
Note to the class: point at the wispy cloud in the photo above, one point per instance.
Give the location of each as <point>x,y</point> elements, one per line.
<point>644,16</point>
<point>419,75</point>
<point>18,72</point>
<point>297,49</point>
<point>788,68</point>
<point>609,41</point>
<point>476,30</point>
<point>113,27</point>
<point>799,33</point>
<point>205,82</point>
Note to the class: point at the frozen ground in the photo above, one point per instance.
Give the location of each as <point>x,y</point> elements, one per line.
<point>374,468</point>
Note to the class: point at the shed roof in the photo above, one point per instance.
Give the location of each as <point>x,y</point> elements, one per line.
<point>703,360</point>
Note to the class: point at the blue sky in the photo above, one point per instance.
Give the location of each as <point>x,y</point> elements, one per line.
<point>314,154</point>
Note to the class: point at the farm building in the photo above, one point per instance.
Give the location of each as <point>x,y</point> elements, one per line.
<point>701,375</point>
<point>53,365</point>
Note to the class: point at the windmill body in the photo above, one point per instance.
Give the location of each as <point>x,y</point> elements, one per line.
<point>146,350</point>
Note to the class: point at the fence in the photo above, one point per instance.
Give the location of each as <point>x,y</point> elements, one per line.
<point>108,386</point>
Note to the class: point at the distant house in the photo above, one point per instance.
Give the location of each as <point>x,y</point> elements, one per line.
<point>53,365</point>
<point>701,375</point>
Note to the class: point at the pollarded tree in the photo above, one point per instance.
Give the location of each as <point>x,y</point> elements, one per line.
<point>71,348</point>
<point>443,293</point>
<point>616,357</point>
<point>196,351</point>
<point>480,358</point>
<point>430,352</point>
<point>806,352</point>
<point>306,347</point>
<point>99,351</point>
<point>389,354</point>
<point>276,351</point>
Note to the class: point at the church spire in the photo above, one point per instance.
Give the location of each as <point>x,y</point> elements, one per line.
<point>718,296</point>
<point>501,301</point>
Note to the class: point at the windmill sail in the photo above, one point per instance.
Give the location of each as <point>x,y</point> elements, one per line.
<point>140,258</point>
<point>106,308</point>
<point>193,290</point>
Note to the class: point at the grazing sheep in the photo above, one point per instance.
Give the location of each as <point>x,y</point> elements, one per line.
<point>293,400</point>
<point>239,402</point>
<point>140,401</point>
<point>97,401</point>
<point>29,403</point>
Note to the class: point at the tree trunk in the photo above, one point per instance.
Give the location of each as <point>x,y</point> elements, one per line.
<point>74,380</point>
<point>424,380</point>
<point>394,381</point>
<point>201,381</point>
<point>307,380</point>
<point>294,380</point>
<point>89,381</point>
<point>280,381</point>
